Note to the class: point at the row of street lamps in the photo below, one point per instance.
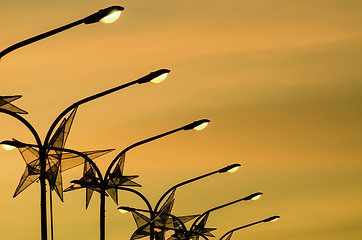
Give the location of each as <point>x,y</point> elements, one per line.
<point>45,160</point>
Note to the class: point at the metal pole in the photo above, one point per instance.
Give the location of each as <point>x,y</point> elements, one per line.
<point>102,215</point>
<point>43,207</point>
<point>51,214</point>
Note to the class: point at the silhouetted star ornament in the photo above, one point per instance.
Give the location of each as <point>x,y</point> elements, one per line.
<point>201,230</point>
<point>88,181</point>
<point>177,227</point>
<point>56,161</point>
<point>5,104</point>
<point>162,222</point>
<point>116,179</point>
<point>91,183</point>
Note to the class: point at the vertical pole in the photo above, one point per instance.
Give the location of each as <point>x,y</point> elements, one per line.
<point>51,215</point>
<point>43,207</point>
<point>102,215</point>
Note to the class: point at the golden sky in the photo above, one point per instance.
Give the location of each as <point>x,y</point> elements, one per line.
<point>280,81</point>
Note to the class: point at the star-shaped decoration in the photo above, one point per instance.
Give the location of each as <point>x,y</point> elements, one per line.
<point>117,179</point>
<point>91,183</point>
<point>163,222</point>
<point>56,160</point>
<point>143,223</point>
<point>201,230</point>
<point>5,104</point>
<point>180,233</point>
<point>54,167</point>
<point>88,181</point>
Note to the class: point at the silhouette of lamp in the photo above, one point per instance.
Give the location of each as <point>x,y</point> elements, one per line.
<point>107,15</point>
<point>112,181</point>
<point>198,228</point>
<point>159,219</point>
<point>228,235</point>
<point>45,163</point>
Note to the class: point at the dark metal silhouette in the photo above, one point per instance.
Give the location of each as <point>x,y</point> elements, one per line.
<point>162,219</point>
<point>112,181</point>
<point>198,228</point>
<point>96,17</point>
<point>52,140</point>
<point>229,234</point>
<point>5,103</point>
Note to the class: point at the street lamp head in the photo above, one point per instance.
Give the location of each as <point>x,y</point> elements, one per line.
<point>272,219</point>
<point>7,147</point>
<point>125,209</point>
<point>254,196</point>
<point>230,169</point>
<point>154,77</point>
<point>10,145</point>
<point>76,184</point>
<point>197,125</point>
<point>107,15</point>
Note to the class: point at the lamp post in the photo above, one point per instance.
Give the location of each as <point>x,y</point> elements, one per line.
<point>199,230</point>
<point>153,212</point>
<point>43,148</point>
<point>114,180</point>
<point>228,234</point>
<point>107,15</point>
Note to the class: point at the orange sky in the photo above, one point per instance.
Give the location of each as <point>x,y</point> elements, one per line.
<point>279,80</point>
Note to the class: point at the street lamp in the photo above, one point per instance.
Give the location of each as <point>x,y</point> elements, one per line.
<point>158,224</point>
<point>228,234</point>
<point>200,230</point>
<point>58,139</point>
<point>107,15</point>
<point>112,181</point>
<point>222,170</point>
<point>165,210</point>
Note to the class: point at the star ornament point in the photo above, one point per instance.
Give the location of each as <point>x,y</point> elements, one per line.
<point>5,103</point>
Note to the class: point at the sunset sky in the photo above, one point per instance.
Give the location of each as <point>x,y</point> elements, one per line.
<point>280,80</point>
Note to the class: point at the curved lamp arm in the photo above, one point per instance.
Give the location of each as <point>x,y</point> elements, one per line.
<point>26,123</point>
<point>270,219</point>
<point>145,200</point>
<point>186,127</point>
<point>147,78</point>
<point>222,170</point>
<point>253,196</point>
<point>90,19</point>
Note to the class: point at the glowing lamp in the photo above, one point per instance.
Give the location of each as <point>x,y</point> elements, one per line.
<point>159,78</point>
<point>8,147</point>
<point>77,185</point>
<point>201,126</point>
<point>234,169</point>
<point>123,210</point>
<point>256,197</point>
<point>111,18</point>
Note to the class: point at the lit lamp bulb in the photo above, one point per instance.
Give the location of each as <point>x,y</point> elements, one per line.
<point>77,185</point>
<point>8,147</point>
<point>110,18</point>
<point>159,78</point>
<point>234,169</point>
<point>123,210</point>
<point>201,126</point>
<point>256,197</point>
<point>274,219</point>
